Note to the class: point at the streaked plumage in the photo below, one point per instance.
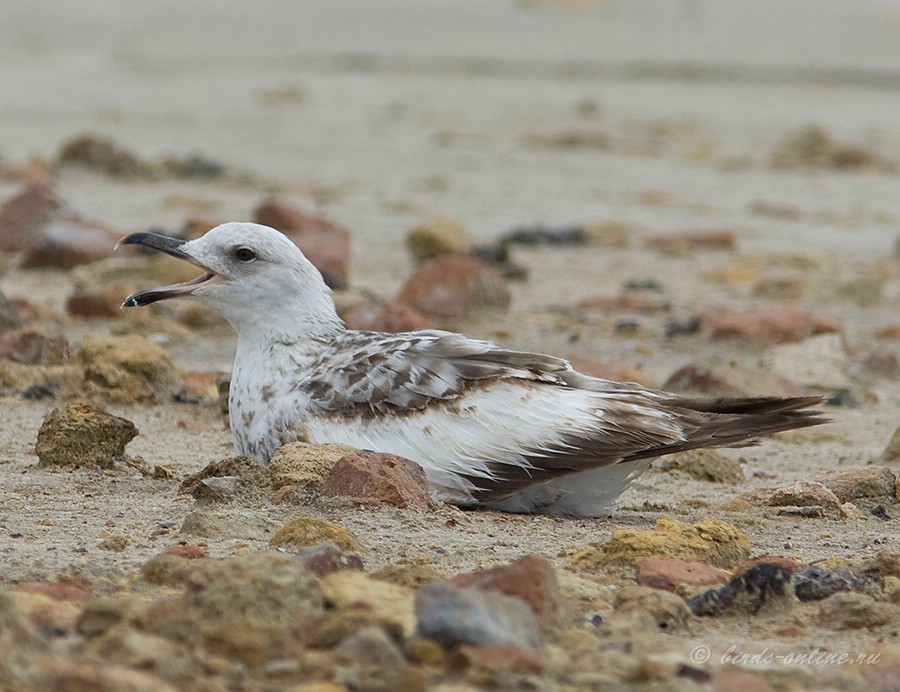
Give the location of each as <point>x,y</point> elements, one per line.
<point>521,432</point>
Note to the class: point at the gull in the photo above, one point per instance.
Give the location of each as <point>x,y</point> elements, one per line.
<point>491,427</point>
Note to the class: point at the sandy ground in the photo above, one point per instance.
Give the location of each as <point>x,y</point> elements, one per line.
<point>382,115</point>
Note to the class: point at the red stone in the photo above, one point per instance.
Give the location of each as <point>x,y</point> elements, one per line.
<point>325,243</point>
<point>94,304</point>
<point>451,286</point>
<point>691,241</point>
<point>29,346</point>
<point>23,216</point>
<point>391,317</point>
<point>69,243</point>
<point>188,552</point>
<point>530,578</point>
<point>776,324</point>
<point>326,558</point>
<point>667,574</point>
<point>58,591</point>
<point>376,478</point>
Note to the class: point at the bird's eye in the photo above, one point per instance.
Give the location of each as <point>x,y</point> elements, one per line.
<point>245,254</point>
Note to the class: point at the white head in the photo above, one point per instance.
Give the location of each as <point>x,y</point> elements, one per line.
<point>255,276</point>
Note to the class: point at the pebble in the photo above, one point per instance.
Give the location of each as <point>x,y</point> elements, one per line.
<point>760,584</point>
<point>813,147</point>
<point>687,243</point>
<point>806,494</point>
<point>102,154</point>
<point>378,478</point>
<point>388,602</point>
<point>327,557</point>
<point>229,479</point>
<point>815,583</point>
<point>453,615</point>
<point>450,286</point>
<point>80,435</point>
<point>444,235</point>
<point>730,379</point>
<point>767,326</point>
<point>127,368</point>
<point>668,573</point>
<point>309,531</point>
<point>69,243</point>
<point>305,465</point>
<point>705,465</point>
<point>709,540</point>
<point>858,482</point>
<point>100,302</point>
<point>30,346</point>
<point>369,660</point>
<point>24,215</point>
<point>531,578</point>
<point>668,611</point>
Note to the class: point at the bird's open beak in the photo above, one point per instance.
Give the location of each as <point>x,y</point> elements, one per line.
<point>171,246</point>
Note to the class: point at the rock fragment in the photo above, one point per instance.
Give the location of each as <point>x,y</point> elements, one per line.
<point>775,324</point>
<point>669,573</point>
<point>444,235</point>
<point>847,610</point>
<point>706,465</point>
<point>80,435</point>
<point>309,531</point>
<point>709,540</point>
<point>127,368</point>
<point>23,216</point>
<point>763,583</point>
<point>859,482</point>
<point>306,465</point>
<point>451,286</point>
<point>806,494</point>
<point>30,346</point>
<point>453,615</point>
<point>378,478</point>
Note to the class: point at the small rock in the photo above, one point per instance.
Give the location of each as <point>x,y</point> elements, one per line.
<point>775,210</point>
<point>219,488</point>
<point>244,607</point>
<point>451,286</point>
<point>199,386</point>
<point>412,575</point>
<point>611,234</point>
<point>68,243</point>
<point>882,363</point>
<point>888,331</point>
<point>874,482</point>
<point>748,592</point>
<point>780,287</point>
<point>820,362</point>
<point>667,573</point>
<point>127,368</point>
<point>244,477</point>
<point>306,531</point>
<point>681,244</point>
<point>388,602</point>
<point>776,324</point>
<point>705,465</point>
<point>710,541</point>
<point>103,155</point>
<point>806,494</point>
<point>171,566</point>
<point>444,235</point>
<point>377,478</point>
<point>369,660</point>
<point>326,558</point>
<point>542,235</point>
<point>104,302</point>
<point>325,243</point>
<point>847,610</point>
<point>23,216</point>
<point>305,465</point>
<point>79,435</point>
<point>390,317</point>
<point>531,578</point>
<point>30,346</point>
<point>815,583</point>
<point>452,615</point>
<point>207,524</point>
